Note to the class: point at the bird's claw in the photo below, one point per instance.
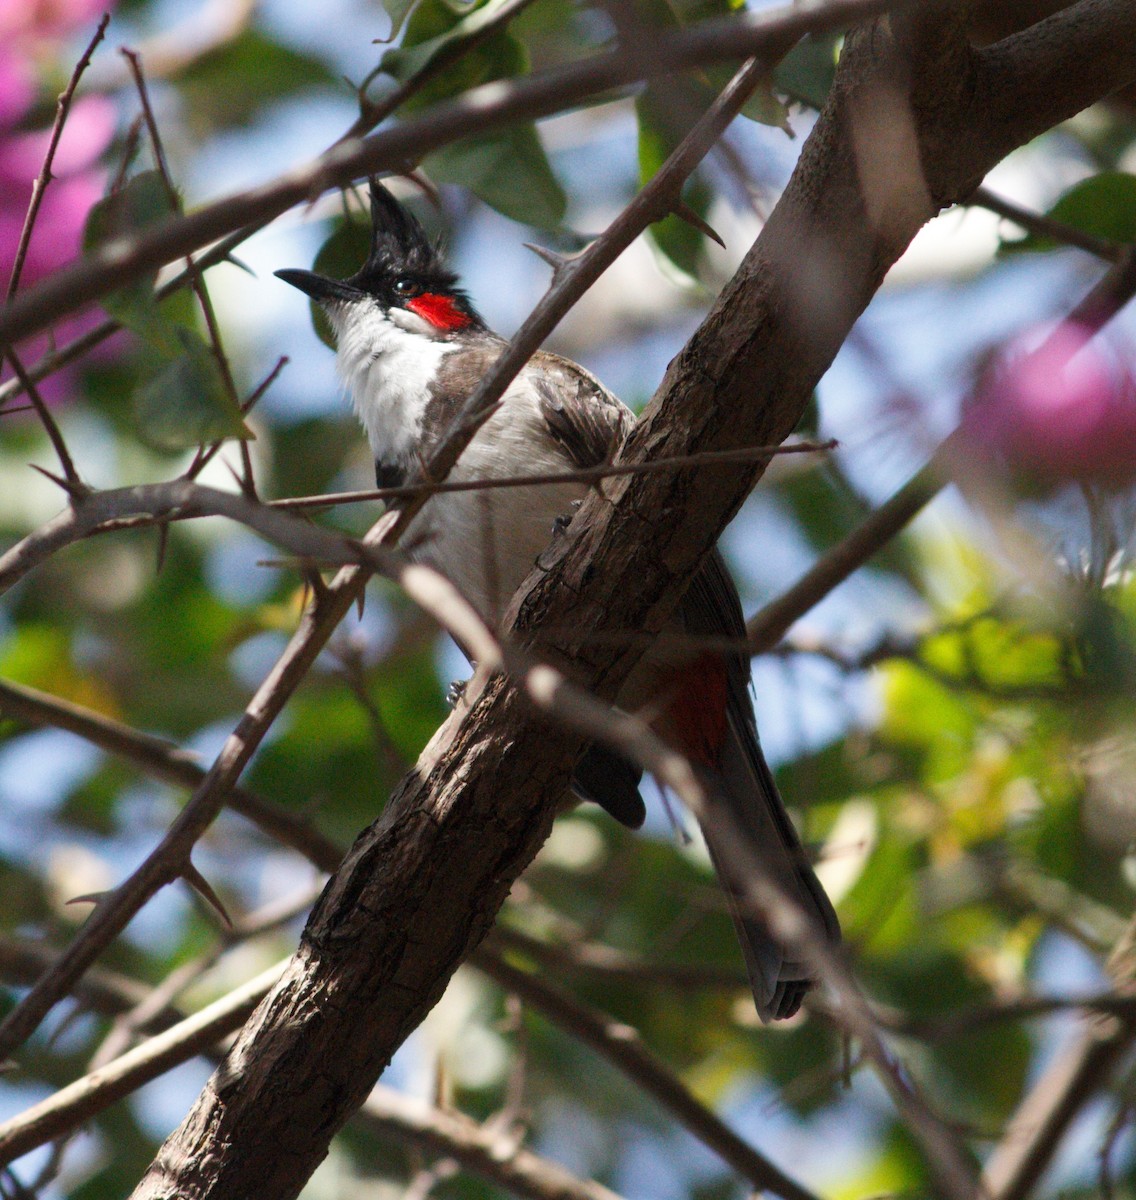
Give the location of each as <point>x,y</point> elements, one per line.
<point>561,523</point>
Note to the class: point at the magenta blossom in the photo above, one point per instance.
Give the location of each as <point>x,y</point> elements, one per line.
<point>29,37</point>
<point>1062,412</point>
<point>47,21</point>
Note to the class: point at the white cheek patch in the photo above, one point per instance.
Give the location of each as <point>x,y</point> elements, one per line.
<point>388,367</point>
<point>403,318</point>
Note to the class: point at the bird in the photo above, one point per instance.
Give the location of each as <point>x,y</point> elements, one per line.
<point>411,346</point>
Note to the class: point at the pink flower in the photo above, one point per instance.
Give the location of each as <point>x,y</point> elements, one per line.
<point>1062,412</point>
<point>29,33</point>
<point>48,20</point>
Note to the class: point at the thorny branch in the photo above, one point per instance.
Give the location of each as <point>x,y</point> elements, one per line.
<point>165,761</point>
<point>333,604</point>
<point>548,685</point>
<point>43,179</point>
<point>480,110</point>
<point>480,1149</point>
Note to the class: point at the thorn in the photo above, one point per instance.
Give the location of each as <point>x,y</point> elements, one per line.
<point>201,886</point>
<point>425,185</point>
<point>75,488</point>
<point>313,583</point>
<point>89,898</point>
<point>561,264</point>
<point>239,264</point>
<point>684,212</point>
<point>359,604</point>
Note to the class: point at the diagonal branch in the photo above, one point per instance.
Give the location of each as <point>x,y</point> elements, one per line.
<point>620,1046</point>
<point>478,111</point>
<point>1035,1132</point>
<point>165,761</point>
<point>332,606</point>
<point>62,111</point>
<point>1112,292</point>
<point>421,887</point>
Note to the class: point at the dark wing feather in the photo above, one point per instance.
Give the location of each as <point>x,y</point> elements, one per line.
<point>582,415</point>
<point>589,423</point>
<point>711,609</point>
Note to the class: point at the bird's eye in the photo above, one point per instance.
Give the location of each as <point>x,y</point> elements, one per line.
<point>405,287</point>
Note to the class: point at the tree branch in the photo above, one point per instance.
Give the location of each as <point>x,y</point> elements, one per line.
<point>620,1045</point>
<point>1035,1132</point>
<point>478,111</point>
<point>167,762</point>
<point>412,898</point>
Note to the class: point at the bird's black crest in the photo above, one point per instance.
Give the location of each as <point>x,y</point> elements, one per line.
<point>399,246</point>
<point>402,255</point>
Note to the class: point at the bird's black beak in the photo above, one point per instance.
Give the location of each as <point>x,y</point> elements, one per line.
<point>319,287</point>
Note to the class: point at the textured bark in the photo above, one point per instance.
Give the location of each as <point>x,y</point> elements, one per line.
<point>421,887</point>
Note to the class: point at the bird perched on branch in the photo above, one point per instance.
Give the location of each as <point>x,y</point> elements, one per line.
<point>411,348</point>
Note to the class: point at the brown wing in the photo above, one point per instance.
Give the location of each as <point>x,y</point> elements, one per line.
<point>582,415</point>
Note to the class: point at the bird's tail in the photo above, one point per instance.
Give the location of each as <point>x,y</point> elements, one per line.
<point>746,827</point>
<point>747,831</point>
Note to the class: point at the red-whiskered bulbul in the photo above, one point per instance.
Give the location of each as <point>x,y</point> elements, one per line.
<point>411,348</point>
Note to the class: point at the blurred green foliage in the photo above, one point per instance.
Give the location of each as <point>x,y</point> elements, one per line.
<point>1000,749</point>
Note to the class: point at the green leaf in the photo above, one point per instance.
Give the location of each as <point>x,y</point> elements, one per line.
<point>186,403</point>
<point>666,114</point>
<point>1103,206</point>
<point>434,26</point>
<point>806,73</point>
<point>234,84</point>
<point>398,11</point>
<point>417,50</point>
<point>142,201</point>
<point>509,171</point>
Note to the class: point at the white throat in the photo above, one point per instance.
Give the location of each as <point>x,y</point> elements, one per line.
<point>387,362</point>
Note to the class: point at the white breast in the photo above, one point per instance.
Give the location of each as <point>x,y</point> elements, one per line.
<point>484,541</point>
<point>487,541</point>
<point>388,368</point>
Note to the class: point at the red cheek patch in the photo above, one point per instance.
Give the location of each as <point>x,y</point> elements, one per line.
<point>441,311</point>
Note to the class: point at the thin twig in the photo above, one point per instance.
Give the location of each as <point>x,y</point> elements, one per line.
<point>205,454</point>
<point>607,962</point>
<point>1075,1076</point>
<point>1044,226</point>
<point>620,1045</point>
<point>81,1100</point>
<point>1104,300</point>
<point>480,110</point>
<point>548,478</point>
<point>73,481</point>
<point>167,762</point>
<point>479,1148</point>
<point>39,187</point>
<point>197,276</point>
